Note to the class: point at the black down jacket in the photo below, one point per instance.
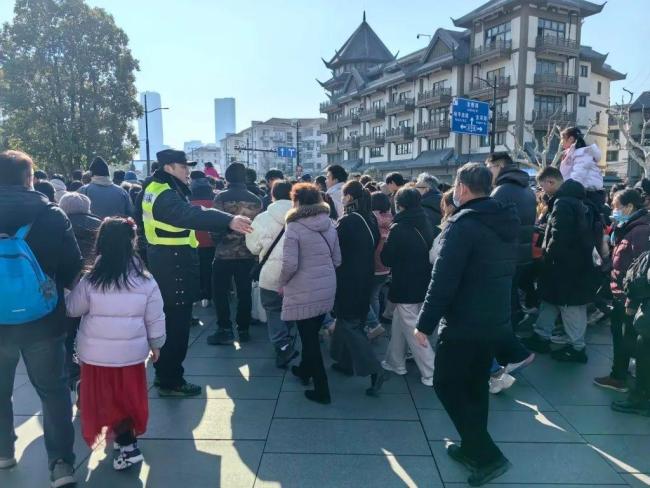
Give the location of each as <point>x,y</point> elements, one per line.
<point>568,275</point>
<point>472,277</point>
<point>512,186</point>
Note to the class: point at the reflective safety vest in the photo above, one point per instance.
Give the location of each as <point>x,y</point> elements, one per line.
<point>151,225</point>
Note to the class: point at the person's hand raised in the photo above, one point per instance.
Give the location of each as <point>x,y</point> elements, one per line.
<point>241,224</point>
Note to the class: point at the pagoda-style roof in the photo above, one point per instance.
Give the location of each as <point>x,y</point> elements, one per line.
<point>598,64</point>
<point>363,45</point>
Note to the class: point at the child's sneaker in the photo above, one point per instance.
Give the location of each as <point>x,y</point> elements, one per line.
<point>128,456</point>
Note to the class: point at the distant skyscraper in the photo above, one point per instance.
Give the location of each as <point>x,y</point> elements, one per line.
<point>224,117</point>
<point>155,126</point>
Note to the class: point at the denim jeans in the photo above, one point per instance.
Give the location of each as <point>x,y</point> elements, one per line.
<point>45,363</point>
<point>278,328</point>
<point>372,320</point>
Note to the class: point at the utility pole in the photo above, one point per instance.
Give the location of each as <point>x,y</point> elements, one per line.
<point>146,130</point>
<point>297,143</point>
<point>493,126</point>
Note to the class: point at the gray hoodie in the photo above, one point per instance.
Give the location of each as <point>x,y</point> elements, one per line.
<point>107,199</point>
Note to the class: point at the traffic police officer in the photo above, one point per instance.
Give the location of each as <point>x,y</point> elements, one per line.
<point>169,222</point>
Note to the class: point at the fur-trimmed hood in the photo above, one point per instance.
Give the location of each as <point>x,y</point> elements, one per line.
<point>305,211</point>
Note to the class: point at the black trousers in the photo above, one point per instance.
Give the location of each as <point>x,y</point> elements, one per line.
<point>643,366</point>
<point>460,379</point>
<point>624,338</point>
<point>169,367</point>
<point>311,361</point>
<point>223,271</point>
<point>206,256</point>
<point>351,348</point>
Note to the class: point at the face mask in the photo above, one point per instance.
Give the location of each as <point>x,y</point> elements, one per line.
<point>620,217</point>
<point>456,201</point>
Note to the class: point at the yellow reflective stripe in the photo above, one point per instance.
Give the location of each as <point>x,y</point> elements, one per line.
<point>153,191</point>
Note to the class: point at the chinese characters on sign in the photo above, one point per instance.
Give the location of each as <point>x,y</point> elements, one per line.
<point>470,117</point>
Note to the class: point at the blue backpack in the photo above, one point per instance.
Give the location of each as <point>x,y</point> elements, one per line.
<point>27,292</point>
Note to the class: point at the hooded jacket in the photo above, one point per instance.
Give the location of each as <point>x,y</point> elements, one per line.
<point>630,240</point>
<point>581,165</point>
<point>53,243</point>
<point>471,281</point>
<point>406,252</point>
<point>310,255</point>
<point>567,275</point>
<point>431,206</point>
<point>512,186</point>
<point>266,228</point>
<point>107,199</point>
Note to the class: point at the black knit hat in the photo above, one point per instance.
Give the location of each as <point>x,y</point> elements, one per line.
<point>99,167</point>
<point>236,173</point>
<point>197,174</point>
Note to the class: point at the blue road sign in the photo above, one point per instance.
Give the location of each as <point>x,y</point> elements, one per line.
<point>470,117</point>
<point>286,152</point>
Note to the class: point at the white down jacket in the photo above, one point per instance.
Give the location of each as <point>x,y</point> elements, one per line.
<point>581,165</point>
<point>266,228</point>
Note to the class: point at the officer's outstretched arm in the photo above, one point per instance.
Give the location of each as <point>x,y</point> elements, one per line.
<point>171,209</point>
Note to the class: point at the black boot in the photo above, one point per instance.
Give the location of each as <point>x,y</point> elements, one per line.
<point>636,402</point>
<point>487,473</point>
<point>376,382</point>
<point>298,373</point>
<point>318,397</point>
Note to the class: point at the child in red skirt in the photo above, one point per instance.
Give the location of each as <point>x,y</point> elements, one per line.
<point>122,323</point>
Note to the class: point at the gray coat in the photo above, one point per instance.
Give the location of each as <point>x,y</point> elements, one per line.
<point>107,199</point>
<point>310,255</point>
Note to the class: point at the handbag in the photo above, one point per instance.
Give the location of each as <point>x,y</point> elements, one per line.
<point>257,269</point>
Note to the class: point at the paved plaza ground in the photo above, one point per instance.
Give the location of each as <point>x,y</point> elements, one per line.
<point>253,428</point>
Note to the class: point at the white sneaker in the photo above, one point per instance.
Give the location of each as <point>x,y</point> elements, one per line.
<point>500,383</point>
<point>6,463</point>
<point>512,367</point>
<point>427,381</point>
<point>376,332</point>
<point>205,303</point>
<point>561,339</point>
<point>388,367</point>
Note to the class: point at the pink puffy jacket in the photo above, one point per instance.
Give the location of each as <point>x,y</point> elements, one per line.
<point>581,165</point>
<point>118,327</point>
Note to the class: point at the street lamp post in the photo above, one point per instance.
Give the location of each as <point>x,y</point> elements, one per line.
<point>146,130</point>
<point>493,107</point>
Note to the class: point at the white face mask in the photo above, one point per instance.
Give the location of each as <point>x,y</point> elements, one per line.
<point>457,203</point>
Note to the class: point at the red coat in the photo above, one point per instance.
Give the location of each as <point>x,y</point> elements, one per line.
<point>203,237</point>
<point>630,240</point>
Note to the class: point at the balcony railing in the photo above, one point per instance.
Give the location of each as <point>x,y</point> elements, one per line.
<point>556,45</point>
<point>329,148</point>
<point>433,128</point>
<point>492,50</point>
<point>366,115</point>
<point>349,119</point>
<point>400,105</point>
<point>399,134</point>
<point>328,106</point>
<point>553,82</point>
<point>542,118</point>
<point>372,140</point>
<point>482,89</point>
<point>329,126</point>
<point>349,143</point>
<point>441,96</point>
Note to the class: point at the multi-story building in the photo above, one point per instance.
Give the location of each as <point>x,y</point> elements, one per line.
<point>618,150</point>
<point>386,113</point>
<point>263,138</point>
<point>224,118</point>
<point>154,120</point>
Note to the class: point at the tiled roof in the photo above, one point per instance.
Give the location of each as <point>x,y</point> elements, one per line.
<point>598,64</point>
<point>362,45</point>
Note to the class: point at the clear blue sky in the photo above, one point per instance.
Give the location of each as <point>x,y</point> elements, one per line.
<point>266,53</point>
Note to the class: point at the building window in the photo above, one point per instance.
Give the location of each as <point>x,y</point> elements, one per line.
<point>547,104</point>
<point>439,85</point>
<point>401,149</point>
<point>599,88</point>
<point>404,123</point>
<point>496,74</point>
<point>612,156</point>
<point>437,144</point>
<point>598,118</point>
<point>376,152</point>
<point>614,135</point>
<point>499,140</point>
<point>501,106</point>
<point>498,33</point>
<point>378,104</point>
<point>376,131</point>
<point>553,67</point>
<point>439,114</point>
<point>584,71</point>
<point>551,28</point>
<point>582,101</point>
<point>353,154</point>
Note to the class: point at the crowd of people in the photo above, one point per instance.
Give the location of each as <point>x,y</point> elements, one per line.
<point>469,281</point>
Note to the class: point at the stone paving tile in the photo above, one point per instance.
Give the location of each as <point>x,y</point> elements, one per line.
<point>26,401</point>
<point>626,453</point>
<point>527,485</point>
<point>232,367</point>
<point>176,463</point>
<point>604,421</point>
<point>560,464</point>
<point>506,427</point>
<point>347,437</point>
<point>637,480</point>
<point>386,407</point>
<point>233,387</point>
<point>209,419</point>
<point>260,350</point>
<point>347,471</point>
<point>599,334</point>
<point>32,468</point>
